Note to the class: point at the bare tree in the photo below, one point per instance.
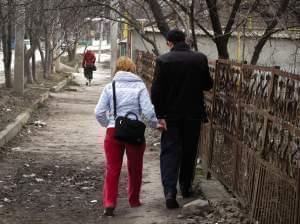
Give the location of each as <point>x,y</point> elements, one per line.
<point>6,24</point>
<point>226,17</point>
<point>272,14</point>
<point>49,24</point>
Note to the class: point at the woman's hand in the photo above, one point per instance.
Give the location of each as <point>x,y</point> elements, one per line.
<point>162,125</point>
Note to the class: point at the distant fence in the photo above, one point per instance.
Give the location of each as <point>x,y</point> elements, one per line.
<point>252,142</point>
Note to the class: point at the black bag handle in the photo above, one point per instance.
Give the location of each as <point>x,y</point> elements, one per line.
<point>131,113</point>
<point>114,99</point>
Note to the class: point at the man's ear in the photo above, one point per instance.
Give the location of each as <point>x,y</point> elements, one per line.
<point>170,44</point>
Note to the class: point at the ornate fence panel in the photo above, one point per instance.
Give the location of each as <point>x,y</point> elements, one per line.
<point>252,142</point>
<point>256,139</point>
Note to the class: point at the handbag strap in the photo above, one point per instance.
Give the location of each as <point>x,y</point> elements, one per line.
<point>114,98</point>
<point>131,113</point>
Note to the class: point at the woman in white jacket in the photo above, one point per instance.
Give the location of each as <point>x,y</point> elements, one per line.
<point>132,96</point>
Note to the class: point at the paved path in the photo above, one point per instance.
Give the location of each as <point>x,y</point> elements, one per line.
<point>54,175</point>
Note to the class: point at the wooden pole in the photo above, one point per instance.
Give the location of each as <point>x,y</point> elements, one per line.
<point>297,206</point>
<point>19,49</point>
<point>113,43</point>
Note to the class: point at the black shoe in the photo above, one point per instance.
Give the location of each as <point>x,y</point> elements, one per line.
<point>86,83</point>
<point>187,193</point>
<point>171,203</point>
<point>109,211</point>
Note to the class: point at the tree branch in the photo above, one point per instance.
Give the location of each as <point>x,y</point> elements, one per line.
<point>269,31</point>
<point>215,20</point>
<point>235,8</point>
<point>159,17</point>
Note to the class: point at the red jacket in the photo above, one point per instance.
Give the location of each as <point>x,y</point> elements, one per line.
<point>88,58</point>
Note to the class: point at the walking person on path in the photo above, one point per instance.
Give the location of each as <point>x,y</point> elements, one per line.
<point>180,77</point>
<point>131,96</point>
<point>88,64</point>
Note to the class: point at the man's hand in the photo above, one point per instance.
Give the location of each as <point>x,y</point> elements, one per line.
<point>162,125</point>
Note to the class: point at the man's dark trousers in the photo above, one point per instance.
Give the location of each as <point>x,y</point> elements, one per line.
<point>178,154</point>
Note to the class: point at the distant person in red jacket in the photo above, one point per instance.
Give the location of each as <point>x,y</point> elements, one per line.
<point>88,65</point>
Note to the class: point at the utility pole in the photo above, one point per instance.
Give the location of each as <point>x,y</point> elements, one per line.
<point>114,39</point>
<point>19,49</point>
<point>244,42</point>
<point>100,39</point>
<point>57,42</point>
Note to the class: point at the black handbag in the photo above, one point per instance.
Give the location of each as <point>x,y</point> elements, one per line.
<point>126,129</point>
<point>91,66</point>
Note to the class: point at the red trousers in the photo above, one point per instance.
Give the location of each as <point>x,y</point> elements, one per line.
<point>114,151</point>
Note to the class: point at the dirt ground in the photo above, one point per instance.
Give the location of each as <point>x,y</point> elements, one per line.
<point>53,173</point>
<point>12,105</point>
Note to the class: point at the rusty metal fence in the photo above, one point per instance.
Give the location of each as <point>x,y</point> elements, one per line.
<point>145,63</point>
<point>252,142</point>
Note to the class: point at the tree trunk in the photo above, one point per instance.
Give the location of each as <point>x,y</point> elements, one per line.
<point>6,30</point>
<point>43,60</point>
<point>222,47</point>
<point>47,58</point>
<point>159,17</point>
<point>47,54</point>
<point>33,67</point>
<point>7,54</point>
<point>72,51</point>
<point>27,69</point>
<point>51,63</point>
<point>33,61</point>
<point>192,21</point>
<point>219,38</point>
<point>258,48</point>
<point>43,30</point>
<point>269,31</point>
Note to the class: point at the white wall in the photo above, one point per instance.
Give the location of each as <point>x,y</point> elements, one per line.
<point>279,52</point>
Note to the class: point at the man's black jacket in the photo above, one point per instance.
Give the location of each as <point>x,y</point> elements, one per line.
<point>180,77</point>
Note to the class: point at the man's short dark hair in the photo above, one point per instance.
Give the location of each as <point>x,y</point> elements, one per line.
<point>175,36</point>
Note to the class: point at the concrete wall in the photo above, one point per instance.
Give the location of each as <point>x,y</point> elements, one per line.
<point>276,51</point>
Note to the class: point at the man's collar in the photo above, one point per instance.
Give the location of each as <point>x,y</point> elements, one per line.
<point>180,46</point>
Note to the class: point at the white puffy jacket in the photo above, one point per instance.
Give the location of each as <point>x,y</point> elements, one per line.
<point>131,96</point>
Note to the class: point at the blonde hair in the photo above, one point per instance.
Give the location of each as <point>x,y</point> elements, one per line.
<point>125,64</point>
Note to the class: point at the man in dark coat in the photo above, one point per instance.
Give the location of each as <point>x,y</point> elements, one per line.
<point>180,77</point>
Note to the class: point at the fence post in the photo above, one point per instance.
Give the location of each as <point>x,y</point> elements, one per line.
<point>266,125</point>
<point>297,206</point>
<point>211,134</point>
<point>258,188</point>
<point>237,146</point>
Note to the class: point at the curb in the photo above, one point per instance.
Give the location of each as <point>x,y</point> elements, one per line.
<point>62,84</point>
<point>213,190</point>
<point>14,128</point>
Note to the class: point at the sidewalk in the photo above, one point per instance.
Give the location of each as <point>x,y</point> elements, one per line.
<point>2,78</point>
<point>53,173</point>
<point>16,110</point>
